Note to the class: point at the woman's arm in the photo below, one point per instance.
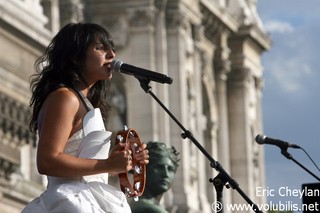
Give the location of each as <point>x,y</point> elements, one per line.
<point>61,116</point>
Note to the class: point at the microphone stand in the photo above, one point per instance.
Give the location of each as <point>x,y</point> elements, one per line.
<point>289,156</point>
<point>223,177</point>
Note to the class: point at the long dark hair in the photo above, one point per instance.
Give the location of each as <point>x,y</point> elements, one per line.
<point>61,65</point>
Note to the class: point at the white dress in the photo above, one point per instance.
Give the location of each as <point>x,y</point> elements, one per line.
<point>88,194</point>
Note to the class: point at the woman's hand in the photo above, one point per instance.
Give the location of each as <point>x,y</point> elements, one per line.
<point>119,160</point>
<point>143,154</point>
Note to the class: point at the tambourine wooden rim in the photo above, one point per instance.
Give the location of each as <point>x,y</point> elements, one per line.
<point>132,140</point>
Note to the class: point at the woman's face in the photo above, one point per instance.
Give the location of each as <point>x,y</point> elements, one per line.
<point>97,63</point>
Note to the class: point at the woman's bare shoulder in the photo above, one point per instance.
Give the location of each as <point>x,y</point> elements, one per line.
<point>63,95</point>
<point>62,99</point>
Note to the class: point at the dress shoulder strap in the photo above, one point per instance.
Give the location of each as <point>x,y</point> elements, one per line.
<point>84,99</point>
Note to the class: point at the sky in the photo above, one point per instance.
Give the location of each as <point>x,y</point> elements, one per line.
<point>291,99</point>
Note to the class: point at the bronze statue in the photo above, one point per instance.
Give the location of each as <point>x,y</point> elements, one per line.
<point>163,164</point>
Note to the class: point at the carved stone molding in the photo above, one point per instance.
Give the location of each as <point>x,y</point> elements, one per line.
<point>212,25</point>
<point>118,26</point>
<point>141,17</point>
<point>7,168</point>
<point>14,132</point>
<point>176,20</point>
<point>71,11</point>
<point>240,75</point>
<point>14,120</point>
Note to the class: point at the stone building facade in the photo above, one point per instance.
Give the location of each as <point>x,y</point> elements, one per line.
<point>212,50</point>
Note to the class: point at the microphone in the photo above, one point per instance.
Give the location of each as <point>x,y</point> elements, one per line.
<point>262,139</point>
<point>140,73</point>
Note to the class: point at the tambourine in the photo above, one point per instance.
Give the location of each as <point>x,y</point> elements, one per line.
<point>132,188</point>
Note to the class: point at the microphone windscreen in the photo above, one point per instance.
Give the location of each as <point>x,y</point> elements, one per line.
<point>116,65</point>
<point>260,139</point>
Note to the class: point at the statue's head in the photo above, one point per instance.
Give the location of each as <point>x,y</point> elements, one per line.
<point>163,164</point>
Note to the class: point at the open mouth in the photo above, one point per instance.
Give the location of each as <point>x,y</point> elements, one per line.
<point>108,67</point>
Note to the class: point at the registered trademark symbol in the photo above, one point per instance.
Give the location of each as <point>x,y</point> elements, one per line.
<point>216,206</point>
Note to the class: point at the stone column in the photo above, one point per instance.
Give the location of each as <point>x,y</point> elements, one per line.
<point>190,188</point>
<point>140,52</point>
<point>222,68</point>
<point>244,104</point>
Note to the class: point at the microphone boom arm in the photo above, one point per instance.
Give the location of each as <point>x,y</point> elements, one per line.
<point>223,175</point>
<point>285,153</point>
